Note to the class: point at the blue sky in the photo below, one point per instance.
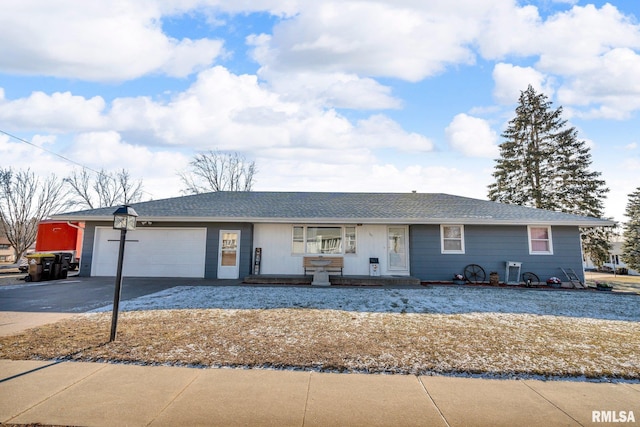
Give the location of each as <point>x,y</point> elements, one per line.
<point>384,95</point>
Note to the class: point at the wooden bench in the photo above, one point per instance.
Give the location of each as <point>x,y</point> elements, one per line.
<point>337,263</point>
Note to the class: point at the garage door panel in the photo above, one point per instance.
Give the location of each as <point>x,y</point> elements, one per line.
<point>153,252</point>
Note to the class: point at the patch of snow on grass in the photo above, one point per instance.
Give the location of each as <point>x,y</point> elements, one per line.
<point>434,299</point>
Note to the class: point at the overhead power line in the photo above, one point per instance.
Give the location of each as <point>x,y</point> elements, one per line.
<point>49,151</point>
<point>66,159</point>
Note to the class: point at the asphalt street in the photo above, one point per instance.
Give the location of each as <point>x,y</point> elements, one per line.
<point>80,294</point>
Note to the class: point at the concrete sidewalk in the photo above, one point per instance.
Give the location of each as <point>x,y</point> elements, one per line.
<point>13,322</point>
<point>101,394</point>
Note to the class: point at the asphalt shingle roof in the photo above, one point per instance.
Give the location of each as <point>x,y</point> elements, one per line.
<point>410,208</point>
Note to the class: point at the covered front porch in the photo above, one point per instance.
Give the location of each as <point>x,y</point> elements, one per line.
<point>335,280</point>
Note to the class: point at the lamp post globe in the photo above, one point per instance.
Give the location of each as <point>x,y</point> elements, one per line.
<point>124,218</point>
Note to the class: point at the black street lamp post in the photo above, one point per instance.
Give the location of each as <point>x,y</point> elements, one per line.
<point>123,219</point>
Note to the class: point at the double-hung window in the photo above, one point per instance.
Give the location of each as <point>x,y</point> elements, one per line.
<point>452,239</point>
<point>540,242</point>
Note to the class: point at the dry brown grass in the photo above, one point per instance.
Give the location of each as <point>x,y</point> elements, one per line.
<point>621,283</point>
<point>328,340</point>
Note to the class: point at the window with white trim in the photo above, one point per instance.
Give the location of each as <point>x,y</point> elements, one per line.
<point>452,239</point>
<point>298,240</point>
<point>540,242</point>
<point>328,239</point>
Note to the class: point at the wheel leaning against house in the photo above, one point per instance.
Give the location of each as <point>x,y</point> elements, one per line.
<point>473,273</point>
<point>530,279</point>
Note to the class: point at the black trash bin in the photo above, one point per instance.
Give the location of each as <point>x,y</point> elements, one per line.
<point>48,263</point>
<point>63,260</point>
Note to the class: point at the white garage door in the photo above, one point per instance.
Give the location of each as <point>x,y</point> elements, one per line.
<point>151,252</point>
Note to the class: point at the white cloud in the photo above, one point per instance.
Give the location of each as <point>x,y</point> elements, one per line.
<point>328,52</point>
<point>221,110</point>
<point>369,176</point>
<point>60,111</point>
<point>95,40</point>
<point>509,30</point>
<point>188,56</point>
<point>381,131</point>
<point>97,150</point>
<point>328,89</point>
<point>573,41</point>
<point>346,91</point>
<point>566,42</point>
<point>610,89</point>
<point>472,137</point>
<point>510,80</point>
<point>107,150</point>
<point>409,41</point>
<point>590,54</point>
<point>622,181</point>
<point>22,156</point>
<point>284,8</point>
<point>230,112</point>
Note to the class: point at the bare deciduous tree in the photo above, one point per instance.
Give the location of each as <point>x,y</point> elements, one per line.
<point>217,171</point>
<point>25,200</point>
<point>106,189</point>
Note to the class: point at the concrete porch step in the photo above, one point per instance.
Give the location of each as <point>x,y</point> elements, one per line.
<point>336,280</point>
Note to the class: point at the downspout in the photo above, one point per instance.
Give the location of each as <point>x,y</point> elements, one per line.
<point>74,226</point>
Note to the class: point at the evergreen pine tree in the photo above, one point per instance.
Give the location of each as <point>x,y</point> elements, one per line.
<point>544,165</point>
<point>631,234</point>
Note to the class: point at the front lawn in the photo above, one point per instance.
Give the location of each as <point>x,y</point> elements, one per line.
<point>477,339</point>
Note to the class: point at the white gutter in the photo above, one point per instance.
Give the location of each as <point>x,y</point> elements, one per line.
<point>410,221</point>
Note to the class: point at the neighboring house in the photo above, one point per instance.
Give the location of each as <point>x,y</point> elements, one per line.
<point>615,259</point>
<point>6,250</point>
<point>428,236</point>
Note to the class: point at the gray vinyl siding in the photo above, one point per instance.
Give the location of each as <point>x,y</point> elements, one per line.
<point>491,247</point>
<point>87,246</point>
<point>212,242</point>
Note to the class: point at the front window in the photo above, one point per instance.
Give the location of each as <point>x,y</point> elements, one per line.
<point>540,242</point>
<point>452,239</point>
<point>324,239</point>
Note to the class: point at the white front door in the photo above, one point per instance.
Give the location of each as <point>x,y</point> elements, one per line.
<point>229,254</point>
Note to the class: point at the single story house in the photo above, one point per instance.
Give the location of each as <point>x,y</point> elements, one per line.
<point>429,236</point>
